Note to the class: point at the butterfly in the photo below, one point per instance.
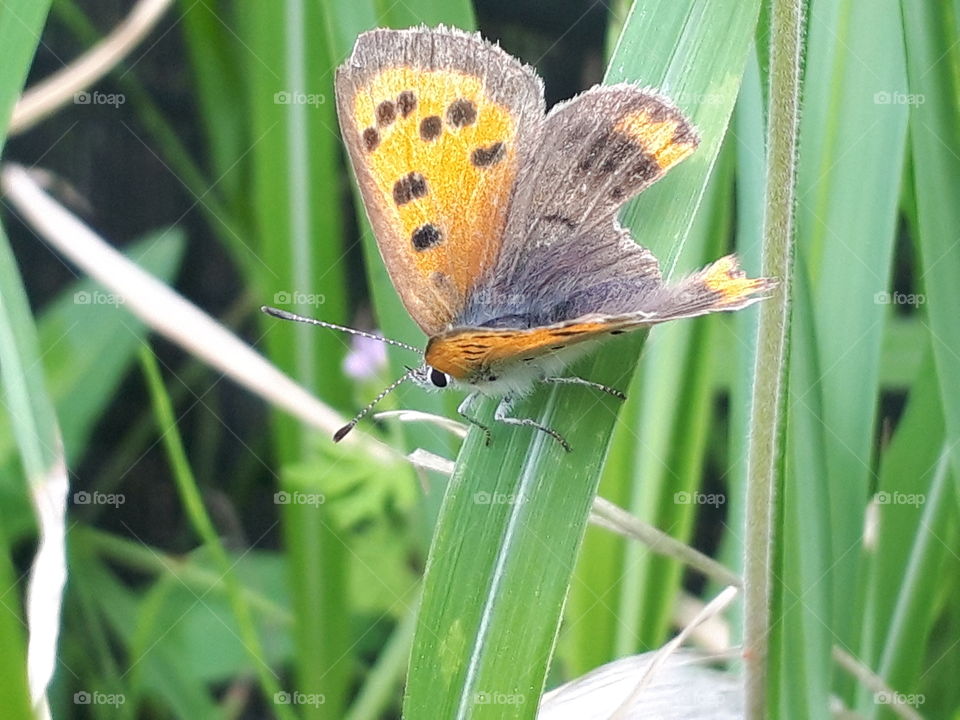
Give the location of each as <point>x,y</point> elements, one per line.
<point>497,221</point>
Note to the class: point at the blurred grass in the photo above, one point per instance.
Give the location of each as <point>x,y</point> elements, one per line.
<point>846,226</point>
<point>33,423</point>
<point>203,525</point>
<point>873,406</point>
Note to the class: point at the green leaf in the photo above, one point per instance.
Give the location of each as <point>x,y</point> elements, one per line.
<point>930,32</point>
<point>899,614</point>
<point>622,598</point>
<point>21,22</point>
<point>846,225</point>
<point>494,641</point>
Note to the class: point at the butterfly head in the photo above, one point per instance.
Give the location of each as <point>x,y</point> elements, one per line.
<point>431,378</point>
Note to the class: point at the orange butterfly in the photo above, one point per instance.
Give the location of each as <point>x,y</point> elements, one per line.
<point>497,222</point>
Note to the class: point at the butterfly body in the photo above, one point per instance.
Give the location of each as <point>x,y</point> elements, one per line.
<point>497,221</point>
<point>514,377</point>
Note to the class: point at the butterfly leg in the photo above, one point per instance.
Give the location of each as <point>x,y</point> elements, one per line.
<point>506,405</point>
<point>467,406</point>
<point>580,381</point>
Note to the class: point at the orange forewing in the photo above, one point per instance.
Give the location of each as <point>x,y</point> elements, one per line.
<point>436,125</point>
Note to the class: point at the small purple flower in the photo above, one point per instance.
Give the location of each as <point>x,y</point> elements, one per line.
<point>366,358</point>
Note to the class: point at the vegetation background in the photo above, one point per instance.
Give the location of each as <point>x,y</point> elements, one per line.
<point>225,559</point>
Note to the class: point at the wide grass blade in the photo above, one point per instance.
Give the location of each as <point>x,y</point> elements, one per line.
<point>35,428</point>
<point>623,596</point>
<point>513,518</point>
<point>299,220</point>
<point>848,194</point>
<point>21,22</point>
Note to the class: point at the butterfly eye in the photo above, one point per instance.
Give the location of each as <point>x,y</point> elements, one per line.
<point>438,378</point>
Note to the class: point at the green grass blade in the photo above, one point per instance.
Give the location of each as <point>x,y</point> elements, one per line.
<point>14,693</point>
<point>21,22</point>
<point>495,642</point>
<point>299,228</point>
<point>218,80</point>
<point>846,226</point>
<point>26,400</point>
<point>908,475</point>
<point>801,640</point>
<point>87,347</point>
<point>34,425</point>
<point>765,449</point>
<point>750,129</point>
<point>622,599</point>
<point>935,142</point>
<point>298,219</point>
<point>204,528</point>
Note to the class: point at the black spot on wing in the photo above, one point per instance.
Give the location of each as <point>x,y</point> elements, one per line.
<point>430,127</point>
<point>409,187</point>
<point>425,237</point>
<point>461,112</point>
<point>643,170</point>
<point>386,113</point>
<point>561,219</point>
<point>406,102</point>
<point>486,156</point>
<point>618,151</point>
<point>594,153</point>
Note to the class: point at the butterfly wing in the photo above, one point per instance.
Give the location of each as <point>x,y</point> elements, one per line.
<point>437,125</point>
<point>565,254</point>
<point>599,150</point>
<point>470,354</point>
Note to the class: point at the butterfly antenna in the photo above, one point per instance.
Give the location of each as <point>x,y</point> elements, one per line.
<point>284,315</point>
<point>342,432</point>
